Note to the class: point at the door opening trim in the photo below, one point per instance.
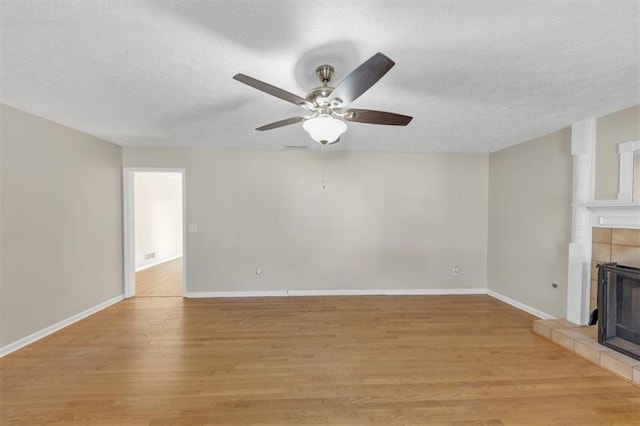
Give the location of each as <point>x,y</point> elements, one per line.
<point>129,232</point>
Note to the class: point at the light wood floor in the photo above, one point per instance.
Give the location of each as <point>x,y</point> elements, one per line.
<point>435,360</point>
<point>160,280</point>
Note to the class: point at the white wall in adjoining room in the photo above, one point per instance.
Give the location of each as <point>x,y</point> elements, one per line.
<point>158,217</point>
<point>530,194</point>
<point>382,221</point>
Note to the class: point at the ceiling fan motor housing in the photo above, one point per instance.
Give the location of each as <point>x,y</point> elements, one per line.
<point>320,95</point>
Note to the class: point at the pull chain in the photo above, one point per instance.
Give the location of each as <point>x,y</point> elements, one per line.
<point>322,160</point>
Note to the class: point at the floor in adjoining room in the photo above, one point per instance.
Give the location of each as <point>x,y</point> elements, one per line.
<point>386,360</point>
<point>164,279</point>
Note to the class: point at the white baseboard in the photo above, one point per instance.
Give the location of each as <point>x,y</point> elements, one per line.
<point>205,294</point>
<point>389,292</point>
<point>18,344</point>
<point>367,292</point>
<point>533,311</point>
<point>156,263</point>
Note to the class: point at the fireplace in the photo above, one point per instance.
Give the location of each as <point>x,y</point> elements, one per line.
<point>619,308</point>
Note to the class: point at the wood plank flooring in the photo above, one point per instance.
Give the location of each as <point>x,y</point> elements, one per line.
<point>385,360</point>
<point>160,280</point>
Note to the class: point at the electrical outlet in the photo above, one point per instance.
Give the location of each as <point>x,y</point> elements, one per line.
<point>193,228</point>
<point>149,255</point>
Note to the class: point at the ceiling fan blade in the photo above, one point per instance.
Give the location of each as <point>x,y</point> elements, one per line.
<point>376,117</point>
<point>273,90</point>
<point>281,123</point>
<point>362,78</point>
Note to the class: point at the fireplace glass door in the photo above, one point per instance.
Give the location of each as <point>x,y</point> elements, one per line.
<point>619,308</point>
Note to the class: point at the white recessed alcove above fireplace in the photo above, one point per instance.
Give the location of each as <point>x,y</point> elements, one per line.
<point>629,175</point>
<point>624,212</point>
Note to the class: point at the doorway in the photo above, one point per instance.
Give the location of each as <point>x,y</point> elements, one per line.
<point>154,232</point>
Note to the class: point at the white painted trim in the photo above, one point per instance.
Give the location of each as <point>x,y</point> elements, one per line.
<point>21,343</point>
<point>587,213</point>
<point>365,292</point>
<point>129,225</point>
<point>156,263</point>
<point>375,292</point>
<point>578,273</point>
<point>618,222</point>
<point>213,294</point>
<point>583,141</point>
<point>533,311</point>
<point>613,214</point>
<point>184,232</point>
<point>129,230</point>
<point>389,292</point>
<point>625,177</point>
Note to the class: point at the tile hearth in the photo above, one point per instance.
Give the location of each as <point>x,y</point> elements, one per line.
<point>583,341</point>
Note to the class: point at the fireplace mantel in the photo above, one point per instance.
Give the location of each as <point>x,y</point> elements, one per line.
<point>587,214</point>
<point>614,214</point>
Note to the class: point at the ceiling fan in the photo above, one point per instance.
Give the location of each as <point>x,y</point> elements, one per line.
<point>327,105</point>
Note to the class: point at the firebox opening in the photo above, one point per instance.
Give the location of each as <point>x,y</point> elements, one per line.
<point>619,308</point>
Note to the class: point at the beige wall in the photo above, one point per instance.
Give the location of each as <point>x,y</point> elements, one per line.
<point>612,129</point>
<point>530,194</point>
<point>384,221</point>
<point>61,223</point>
<point>158,216</point>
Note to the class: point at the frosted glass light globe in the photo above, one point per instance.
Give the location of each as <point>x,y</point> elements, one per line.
<point>324,129</point>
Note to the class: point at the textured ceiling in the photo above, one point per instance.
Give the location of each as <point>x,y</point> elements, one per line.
<point>476,75</point>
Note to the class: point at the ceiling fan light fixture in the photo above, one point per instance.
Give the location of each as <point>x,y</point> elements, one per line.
<point>324,129</point>
<point>326,104</point>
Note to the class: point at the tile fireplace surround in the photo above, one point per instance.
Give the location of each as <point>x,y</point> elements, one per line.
<point>621,246</point>
<point>608,245</point>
